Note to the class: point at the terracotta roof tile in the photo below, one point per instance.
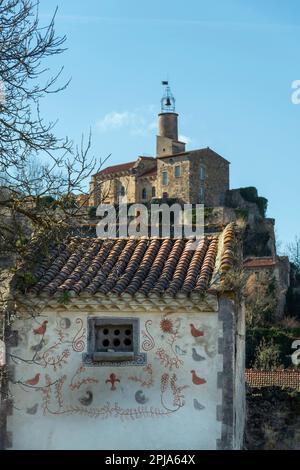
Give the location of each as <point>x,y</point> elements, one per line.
<point>130,266</point>
<point>116,168</point>
<point>273,378</point>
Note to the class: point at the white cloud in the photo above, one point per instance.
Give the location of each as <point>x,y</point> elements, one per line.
<point>184,138</point>
<point>115,120</point>
<point>138,122</point>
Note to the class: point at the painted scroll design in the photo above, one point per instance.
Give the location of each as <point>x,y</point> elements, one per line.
<point>148,342</point>
<point>78,343</point>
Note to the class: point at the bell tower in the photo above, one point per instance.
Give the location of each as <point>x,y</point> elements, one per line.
<point>167,139</point>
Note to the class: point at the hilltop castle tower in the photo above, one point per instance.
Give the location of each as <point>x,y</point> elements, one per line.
<point>192,176</point>
<point>167,142</point>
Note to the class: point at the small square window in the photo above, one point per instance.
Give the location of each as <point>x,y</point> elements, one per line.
<point>177,171</point>
<point>112,339</point>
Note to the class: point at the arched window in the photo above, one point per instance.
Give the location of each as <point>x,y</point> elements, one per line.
<point>122,191</point>
<point>144,193</point>
<point>153,191</point>
<point>202,172</point>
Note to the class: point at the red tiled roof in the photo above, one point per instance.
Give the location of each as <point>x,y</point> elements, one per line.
<point>130,266</point>
<point>116,168</point>
<point>259,262</point>
<point>274,378</point>
<point>127,266</point>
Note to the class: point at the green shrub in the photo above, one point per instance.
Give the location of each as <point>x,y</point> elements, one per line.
<point>249,194</point>
<point>267,355</point>
<point>242,213</point>
<point>280,337</point>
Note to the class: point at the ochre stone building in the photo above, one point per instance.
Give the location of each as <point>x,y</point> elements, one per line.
<point>196,176</point>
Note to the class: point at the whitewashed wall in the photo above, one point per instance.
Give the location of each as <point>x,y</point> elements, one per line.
<point>153,406</point>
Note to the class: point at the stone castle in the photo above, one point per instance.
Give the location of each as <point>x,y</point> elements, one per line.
<point>194,176</point>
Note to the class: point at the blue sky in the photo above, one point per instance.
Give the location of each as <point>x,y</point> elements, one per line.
<point>230,63</point>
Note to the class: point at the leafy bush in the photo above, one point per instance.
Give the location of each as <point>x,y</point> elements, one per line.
<point>281,337</point>
<point>267,355</point>
<point>242,213</point>
<point>249,194</point>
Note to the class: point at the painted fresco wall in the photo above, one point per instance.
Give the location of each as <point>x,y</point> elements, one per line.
<point>167,400</point>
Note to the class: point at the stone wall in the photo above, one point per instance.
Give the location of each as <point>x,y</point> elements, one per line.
<point>177,187</point>
<point>216,181</point>
<point>187,187</point>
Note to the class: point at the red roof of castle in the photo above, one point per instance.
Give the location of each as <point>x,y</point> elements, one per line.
<point>120,167</point>
<point>116,168</point>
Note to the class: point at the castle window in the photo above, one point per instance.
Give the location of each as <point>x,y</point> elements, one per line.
<point>201,195</point>
<point>164,178</point>
<point>153,191</point>
<point>122,191</point>
<point>144,193</point>
<point>177,171</point>
<point>202,173</point>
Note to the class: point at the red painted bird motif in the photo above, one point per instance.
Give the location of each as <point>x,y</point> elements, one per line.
<point>112,379</point>
<point>41,330</point>
<point>196,379</point>
<point>34,380</point>
<point>196,333</point>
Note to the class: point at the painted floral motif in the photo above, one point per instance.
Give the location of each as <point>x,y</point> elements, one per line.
<point>170,359</point>
<point>109,410</point>
<point>144,381</point>
<point>113,379</point>
<point>56,355</point>
<point>77,383</point>
<point>169,384</point>
<point>166,325</point>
